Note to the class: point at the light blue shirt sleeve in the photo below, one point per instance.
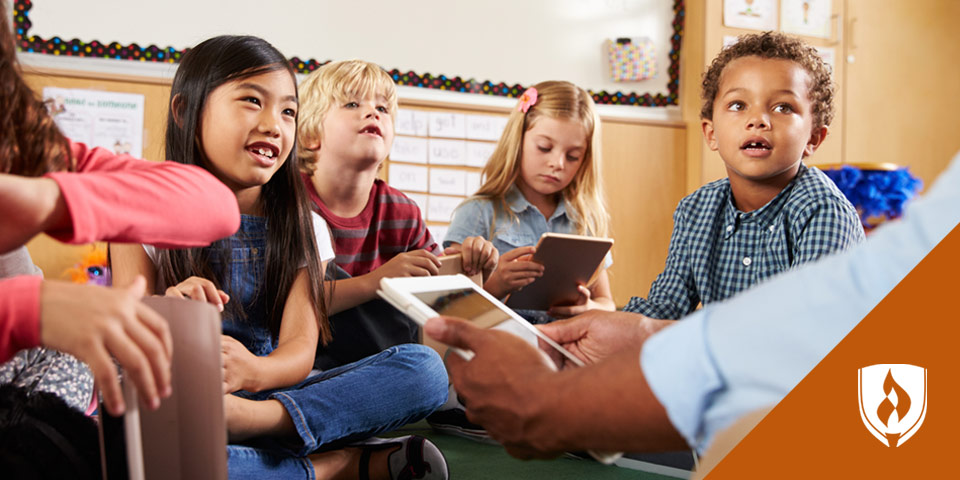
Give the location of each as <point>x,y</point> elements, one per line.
<point>746,353</point>
<point>472,218</point>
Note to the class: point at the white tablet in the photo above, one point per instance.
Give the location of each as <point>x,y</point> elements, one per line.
<point>422,298</point>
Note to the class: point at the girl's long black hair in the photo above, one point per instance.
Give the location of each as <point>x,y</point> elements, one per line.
<point>290,239</point>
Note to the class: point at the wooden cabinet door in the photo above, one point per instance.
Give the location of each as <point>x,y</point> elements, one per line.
<point>902,83</point>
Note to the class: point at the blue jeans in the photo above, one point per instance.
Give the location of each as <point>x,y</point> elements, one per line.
<point>379,393</point>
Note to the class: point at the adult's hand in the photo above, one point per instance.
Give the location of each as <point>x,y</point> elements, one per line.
<point>94,323</point>
<point>499,384</point>
<point>596,334</point>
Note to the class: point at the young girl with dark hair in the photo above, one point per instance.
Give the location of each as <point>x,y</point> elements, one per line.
<point>79,195</point>
<point>233,111</point>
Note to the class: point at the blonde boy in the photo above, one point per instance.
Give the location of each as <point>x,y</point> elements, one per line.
<point>345,132</point>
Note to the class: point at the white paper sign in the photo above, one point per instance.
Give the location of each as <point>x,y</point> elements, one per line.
<point>99,119</point>
<point>409,149</point>
<point>411,122</point>
<point>478,153</point>
<point>472,182</point>
<point>439,232</point>
<point>441,208</point>
<point>752,14</point>
<point>447,125</point>
<point>805,17</point>
<point>448,152</point>
<point>485,127</point>
<point>420,199</point>
<point>828,55</point>
<point>408,177</point>
<point>448,182</point>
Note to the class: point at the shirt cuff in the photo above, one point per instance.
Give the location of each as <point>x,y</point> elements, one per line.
<point>681,373</point>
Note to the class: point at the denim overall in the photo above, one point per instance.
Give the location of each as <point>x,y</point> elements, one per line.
<point>332,408</point>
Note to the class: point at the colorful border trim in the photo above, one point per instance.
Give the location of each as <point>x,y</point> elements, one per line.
<point>153,53</point>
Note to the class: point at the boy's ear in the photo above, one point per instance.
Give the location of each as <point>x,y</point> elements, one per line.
<point>708,133</point>
<point>176,109</point>
<point>816,138</point>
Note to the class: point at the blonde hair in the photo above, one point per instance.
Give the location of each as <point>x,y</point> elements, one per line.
<point>584,194</point>
<point>334,83</point>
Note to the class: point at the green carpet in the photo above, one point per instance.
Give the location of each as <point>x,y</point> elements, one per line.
<point>472,460</point>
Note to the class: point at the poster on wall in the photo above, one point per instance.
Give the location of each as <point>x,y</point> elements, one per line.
<point>806,17</point>
<point>99,119</point>
<point>750,14</point>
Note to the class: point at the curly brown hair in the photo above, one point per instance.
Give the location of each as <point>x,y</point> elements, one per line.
<point>30,143</point>
<point>775,45</point>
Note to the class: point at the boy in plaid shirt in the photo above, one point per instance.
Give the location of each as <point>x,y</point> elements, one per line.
<point>768,101</point>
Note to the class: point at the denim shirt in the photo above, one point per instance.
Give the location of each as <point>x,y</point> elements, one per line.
<point>475,216</point>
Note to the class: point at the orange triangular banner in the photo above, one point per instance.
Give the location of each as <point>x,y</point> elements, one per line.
<point>820,429</point>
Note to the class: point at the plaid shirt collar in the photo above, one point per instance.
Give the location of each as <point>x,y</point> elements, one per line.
<point>765,215</point>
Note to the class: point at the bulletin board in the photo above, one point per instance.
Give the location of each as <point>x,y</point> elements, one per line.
<point>437,158</point>
<point>496,49</point>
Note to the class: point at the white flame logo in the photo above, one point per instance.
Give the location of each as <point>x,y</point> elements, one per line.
<point>893,401</point>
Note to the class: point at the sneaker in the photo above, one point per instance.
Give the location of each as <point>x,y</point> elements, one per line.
<point>417,458</point>
<point>452,418</point>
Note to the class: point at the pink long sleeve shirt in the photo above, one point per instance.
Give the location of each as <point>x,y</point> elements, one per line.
<point>121,199</point>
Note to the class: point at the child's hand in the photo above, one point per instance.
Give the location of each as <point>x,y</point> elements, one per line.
<point>239,366</point>
<point>199,289</point>
<point>418,263</point>
<point>583,303</point>
<point>514,271</point>
<point>94,323</point>
<point>478,254</point>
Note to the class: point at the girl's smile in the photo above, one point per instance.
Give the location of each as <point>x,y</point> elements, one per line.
<point>248,128</point>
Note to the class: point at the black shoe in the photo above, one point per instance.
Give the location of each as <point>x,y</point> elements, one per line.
<point>417,458</point>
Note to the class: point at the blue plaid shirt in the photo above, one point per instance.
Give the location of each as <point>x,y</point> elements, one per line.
<point>717,251</point>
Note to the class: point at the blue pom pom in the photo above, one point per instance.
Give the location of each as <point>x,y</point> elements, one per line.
<point>876,193</point>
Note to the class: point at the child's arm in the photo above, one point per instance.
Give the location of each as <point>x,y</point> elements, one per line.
<point>478,255</point>
<point>291,361</point>
<point>123,199</point>
<point>828,225</point>
<point>351,292</point>
<point>597,297</point>
<point>674,293</point>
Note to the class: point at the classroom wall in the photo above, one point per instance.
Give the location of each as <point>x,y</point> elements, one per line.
<point>643,170</point>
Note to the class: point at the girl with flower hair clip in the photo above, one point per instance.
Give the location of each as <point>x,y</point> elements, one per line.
<point>543,176</point>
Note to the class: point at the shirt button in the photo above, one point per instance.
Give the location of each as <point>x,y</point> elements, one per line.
<point>747,261</point>
<point>771,228</point>
<point>253,250</point>
<point>729,228</point>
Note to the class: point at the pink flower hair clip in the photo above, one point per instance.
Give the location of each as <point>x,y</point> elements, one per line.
<point>528,99</point>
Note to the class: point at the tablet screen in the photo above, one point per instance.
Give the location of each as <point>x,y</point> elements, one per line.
<point>468,304</point>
